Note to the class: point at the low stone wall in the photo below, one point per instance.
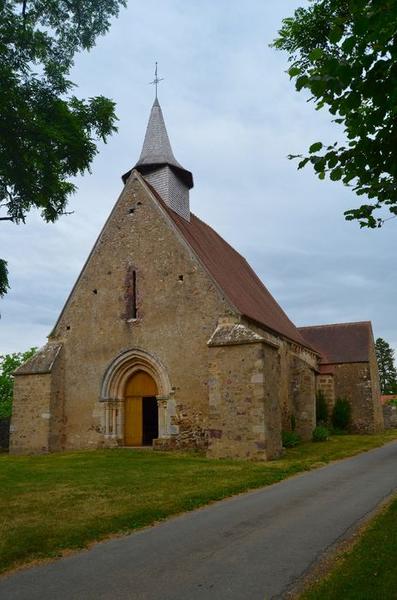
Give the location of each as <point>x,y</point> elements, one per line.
<point>4,434</point>
<point>390,416</point>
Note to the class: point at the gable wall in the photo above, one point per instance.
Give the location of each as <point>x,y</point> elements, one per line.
<point>175,318</point>
<point>355,381</point>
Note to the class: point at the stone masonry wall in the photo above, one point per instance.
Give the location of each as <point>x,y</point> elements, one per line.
<point>37,423</point>
<point>273,376</point>
<point>325,384</point>
<point>245,420</point>
<point>289,355</point>
<point>56,439</point>
<point>390,416</point>
<point>178,307</point>
<point>239,391</point>
<point>303,396</point>
<point>353,382</point>
<point>285,400</point>
<point>31,414</point>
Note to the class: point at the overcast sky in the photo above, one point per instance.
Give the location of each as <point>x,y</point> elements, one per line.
<point>232,116</point>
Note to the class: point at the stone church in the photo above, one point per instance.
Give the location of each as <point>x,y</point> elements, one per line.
<point>169,339</point>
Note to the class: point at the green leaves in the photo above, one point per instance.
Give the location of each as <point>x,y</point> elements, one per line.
<point>301,82</point>
<point>316,54</point>
<point>386,367</point>
<point>47,136</point>
<point>336,174</point>
<point>303,163</point>
<point>348,44</point>
<point>293,71</point>
<point>345,54</point>
<point>335,35</point>
<point>315,147</point>
<point>8,364</point>
<point>3,278</point>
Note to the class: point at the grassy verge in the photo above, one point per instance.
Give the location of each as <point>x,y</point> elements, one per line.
<point>64,501</point>
<point>368,572</point>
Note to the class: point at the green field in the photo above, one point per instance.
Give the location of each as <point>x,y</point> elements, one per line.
<point>52,503</point>
<point>369,571</point>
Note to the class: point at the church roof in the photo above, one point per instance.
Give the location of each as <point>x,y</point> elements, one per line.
<point>234,276</point>
<point>157,149</point>
<point>340,342</point>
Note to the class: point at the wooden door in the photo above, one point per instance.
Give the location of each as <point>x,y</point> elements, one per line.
<point>141,384</point>
<point>133,421</point>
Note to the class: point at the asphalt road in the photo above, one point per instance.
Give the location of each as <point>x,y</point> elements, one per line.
<point>250,547</point>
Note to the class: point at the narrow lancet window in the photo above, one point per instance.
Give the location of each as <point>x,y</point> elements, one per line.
<point>130,296</point>
<point>134,310</point>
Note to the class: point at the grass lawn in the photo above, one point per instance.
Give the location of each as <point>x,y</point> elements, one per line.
<point>64,501</point>
<point>369,571</point>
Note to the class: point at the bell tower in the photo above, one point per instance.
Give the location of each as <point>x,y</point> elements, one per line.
<point>159,166</point>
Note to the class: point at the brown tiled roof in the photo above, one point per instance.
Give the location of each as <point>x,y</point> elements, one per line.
<point>234,276</point>
<point>341,342</point>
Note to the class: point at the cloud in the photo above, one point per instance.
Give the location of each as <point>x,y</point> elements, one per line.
<point>233,117</point>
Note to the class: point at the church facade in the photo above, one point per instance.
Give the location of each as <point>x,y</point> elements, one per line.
<point>169,339</point>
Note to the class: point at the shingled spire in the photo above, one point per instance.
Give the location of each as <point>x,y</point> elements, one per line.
<point>160,168</point>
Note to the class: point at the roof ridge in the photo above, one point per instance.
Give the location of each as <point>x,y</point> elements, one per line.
<point>335,324</point>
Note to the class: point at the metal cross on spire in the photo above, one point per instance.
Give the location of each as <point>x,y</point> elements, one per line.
<point>156,79</point>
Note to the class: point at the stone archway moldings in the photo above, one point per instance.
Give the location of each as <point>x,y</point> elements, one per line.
<point>112,392</point>
<point>125,365</point>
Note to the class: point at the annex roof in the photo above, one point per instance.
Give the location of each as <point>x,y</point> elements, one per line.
<point>41,362</point>
<point>340,342</point>
<point>234,276</point>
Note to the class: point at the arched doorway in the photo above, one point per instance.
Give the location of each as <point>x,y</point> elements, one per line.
<point>140,410</point>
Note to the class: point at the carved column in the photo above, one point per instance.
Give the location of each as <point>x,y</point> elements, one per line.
<point>163,416</point>
<point>113,421</point>
<point>120,420</point>
<point>107,428</point>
